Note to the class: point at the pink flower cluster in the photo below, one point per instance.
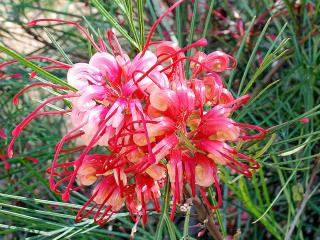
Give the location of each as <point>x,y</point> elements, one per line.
<point>159,125</point>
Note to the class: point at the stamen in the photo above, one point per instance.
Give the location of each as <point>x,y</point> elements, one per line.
<point>177,185</point>
<point>116,160</point>
<point>62,182</point>
<point>94,139</point>
<point>156,202</point>
<point>70,138</point>
<point>251,160</point>
<point>133,218</point>
<point>113,142</point>
<point>65,169</point>
<point>260,135</point>
<point>144,210</point>
<point>200,43</point>
<point>174,205</point>
<point>33,160</point>
<point>205,199</point>
<point>2,134</point>
<point>154,26</point>
<point>14,75</point>
<point>112,37</point>
<point>192,60</point>
<point>120,183</point>
<point>42,105</point>
<point>36,58</point>
<point>144,124</point>
<point>79,215</point>
<point>34,73</point>
<point>138,121</point>
<point>6,163</point>
<point>16,97</point>
<point>103,221</point>
<point>176,196</point>
<point>235,104</point>
<point>16,132</point>
<point>189,165</point>
<point>237,166</point>
<point>75,149</point>
<point>77,25</point>
<point>152,79</point>
<point>58,149</point>
<point>102,45</point>
<point>141,166</point>
<point>136,84</point>
<point>98,219</point>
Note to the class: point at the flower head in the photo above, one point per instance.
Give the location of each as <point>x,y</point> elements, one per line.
<point>158,124</point>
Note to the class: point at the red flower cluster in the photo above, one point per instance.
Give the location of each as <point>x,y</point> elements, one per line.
<point>159,125</point>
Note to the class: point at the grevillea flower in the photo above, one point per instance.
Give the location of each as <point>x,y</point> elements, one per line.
<point>155,122</point>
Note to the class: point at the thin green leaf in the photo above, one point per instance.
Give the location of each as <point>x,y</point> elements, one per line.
<point>191,31</point>
<point>34,67</point>
<point>240,50</point>
<point>57,45</point>
<point>252,56</point>
<point>141,21</point>
<point>279,194</point>
<point>207,22</point>
<point>113,22</point>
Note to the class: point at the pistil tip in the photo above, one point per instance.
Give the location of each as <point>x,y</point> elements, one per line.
<point>65,197</point>
<point>10,153</point>
<point>32,23</point>
<point>15,101</point>
<point>32,75</point>
<point>202,42</point>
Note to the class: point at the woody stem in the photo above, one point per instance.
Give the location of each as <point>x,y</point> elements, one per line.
<point>203,213</point>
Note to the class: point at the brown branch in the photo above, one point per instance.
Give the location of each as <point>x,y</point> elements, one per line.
<point>204,214</point>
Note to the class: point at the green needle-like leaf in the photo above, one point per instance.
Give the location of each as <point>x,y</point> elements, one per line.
<point>52,78</point>
<point>113,22</point>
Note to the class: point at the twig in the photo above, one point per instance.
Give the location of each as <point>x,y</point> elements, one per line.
<point>306,198</point>
<point>204,214</point>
